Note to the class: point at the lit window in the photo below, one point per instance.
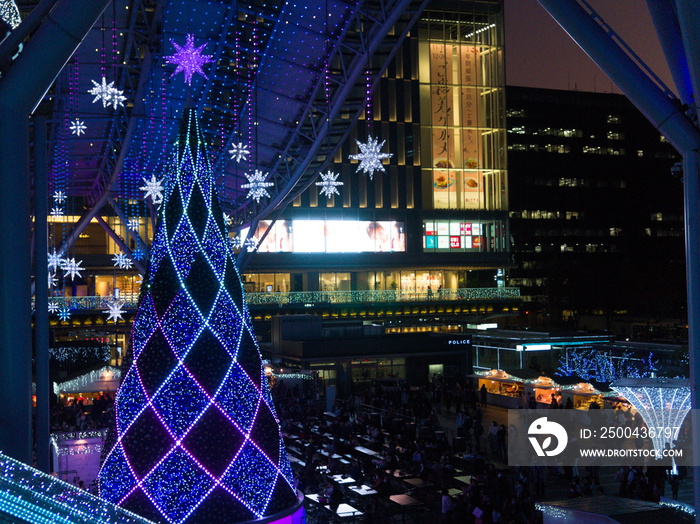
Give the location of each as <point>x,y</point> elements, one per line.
<point>640,152</point>
<point>614,119</point>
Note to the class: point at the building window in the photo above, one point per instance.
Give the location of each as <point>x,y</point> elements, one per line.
<point>614,119</point>
<point>640,152</point>
<point>616,135</point>
<point>615,231</point>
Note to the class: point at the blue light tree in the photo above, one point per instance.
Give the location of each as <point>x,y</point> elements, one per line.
<point>590,364</point>
<point>198,439</point>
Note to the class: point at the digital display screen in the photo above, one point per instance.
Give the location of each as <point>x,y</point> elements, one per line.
<point>330,236</point>
<point>455,235</point>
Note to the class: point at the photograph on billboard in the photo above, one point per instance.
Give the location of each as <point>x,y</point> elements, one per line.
<point>329,236</point>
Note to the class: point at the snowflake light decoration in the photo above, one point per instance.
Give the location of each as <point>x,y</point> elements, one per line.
<point>329,184</point>
<point>133,224</point>
<point>107,93</point>
<point>370,156</point>
<point>115,310</point>
<point>236,242</point>
<point>59,197</point>
<point>56,211</point>
<point>116,98</point>
<point>189,60</point>
<point>239,152</point>
<point>257,186</point>
<point>102,91</point>
<point>138,254</point>
<point>52,280</point>
<point>64,313</point>
<point>122,261</point>
<point>227,220</point>
<point>251,244</point>
<point>53,306</point>
<point>55,260</point>
<point>77,127</point>
<point>154,189</point>
<point>72,268</point>
<point>10,13</point>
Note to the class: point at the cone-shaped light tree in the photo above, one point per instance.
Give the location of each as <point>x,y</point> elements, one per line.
<point>198,439</point>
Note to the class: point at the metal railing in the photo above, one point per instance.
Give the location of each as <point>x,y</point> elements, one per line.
<point>310,298</point>
<point>381,296</point>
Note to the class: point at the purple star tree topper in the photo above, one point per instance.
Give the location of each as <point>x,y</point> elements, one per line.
<point>189,60</point>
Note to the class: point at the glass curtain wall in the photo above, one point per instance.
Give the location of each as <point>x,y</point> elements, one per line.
<point>463,138</point>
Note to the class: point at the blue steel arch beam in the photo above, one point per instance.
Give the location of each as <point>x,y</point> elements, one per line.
<point>689,19</point>
<point>21,88</point>
<point>102,181</point>
<point>680,127</point>
<point>665,18</point>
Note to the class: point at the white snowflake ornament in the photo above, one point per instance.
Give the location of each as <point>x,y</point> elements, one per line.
<point>56,211</point>
<point>116,98</point>
<point>133,224</point>
<point>227,220</point>
<point>154,189</point>
<point>102,91</point>
<point>257,186</point>
<point>239,152</point>
<point>52,280</point>
<point>53,307</point>
<point>55,260</point>
<point>64,313</point>
<point>236,242</point>
<point>329,184</point>
<point>251,244</point>
<point>77,127</point>
<point>115,311</point>
<point>72,268</point>
<point>370,156</point>
<point>59,197</point>
<point>122,261</point>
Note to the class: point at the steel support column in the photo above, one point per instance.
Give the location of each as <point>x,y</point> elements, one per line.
<point>21,88</point>
<point>41,304</point>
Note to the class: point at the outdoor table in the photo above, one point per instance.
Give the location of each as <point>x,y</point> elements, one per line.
<point>366,451</point>
<point>418,482</point>
<point>404,500</point>
<point>342,479</point>
<point>363,490</point>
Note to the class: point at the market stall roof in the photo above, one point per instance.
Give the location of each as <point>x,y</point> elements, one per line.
<point>515,375</point>
<point>104,379</point>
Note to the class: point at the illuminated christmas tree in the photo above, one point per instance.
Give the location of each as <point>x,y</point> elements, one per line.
<point>198,439</point>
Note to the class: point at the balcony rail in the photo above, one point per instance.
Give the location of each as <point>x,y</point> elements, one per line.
<point>320,297</point>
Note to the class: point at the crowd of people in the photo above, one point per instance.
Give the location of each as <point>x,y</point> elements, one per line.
<point>79,414</point>
<point>404,428</point>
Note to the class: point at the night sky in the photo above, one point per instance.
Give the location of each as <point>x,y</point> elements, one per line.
<point>540,54</point>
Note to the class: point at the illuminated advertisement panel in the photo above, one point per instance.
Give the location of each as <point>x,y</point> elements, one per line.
<point>458,236</point>
<point>330,236</point>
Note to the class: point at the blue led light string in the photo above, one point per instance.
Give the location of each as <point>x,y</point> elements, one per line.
<point>254,474</point>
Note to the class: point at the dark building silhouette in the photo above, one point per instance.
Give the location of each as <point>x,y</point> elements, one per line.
<point>596,210</point>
